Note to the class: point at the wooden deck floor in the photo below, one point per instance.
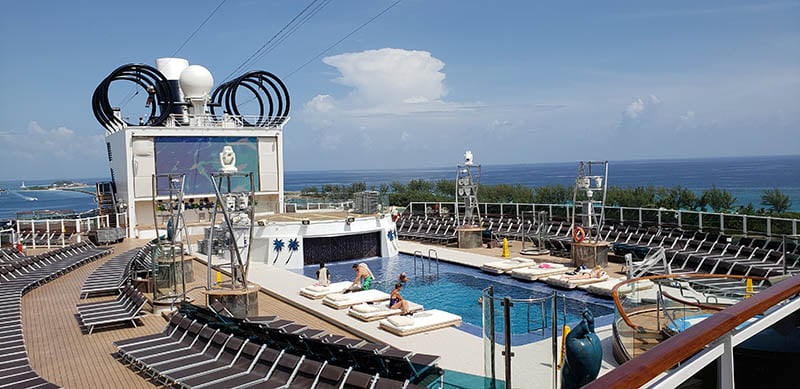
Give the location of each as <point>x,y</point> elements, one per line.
<point>61,353</point>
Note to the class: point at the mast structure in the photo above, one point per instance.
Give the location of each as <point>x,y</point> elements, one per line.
<point>591,187</point>
<point>468,177</point>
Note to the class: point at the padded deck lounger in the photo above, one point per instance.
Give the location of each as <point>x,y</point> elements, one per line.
<point>507,265</point>
<point>316,292</point>
<point>604,288</point>
<point>347,300</point>
<point>564,282</point>
<point>262,368</point>
<point>420,322</point>
<point>542,270</point>
<point>370,312</point>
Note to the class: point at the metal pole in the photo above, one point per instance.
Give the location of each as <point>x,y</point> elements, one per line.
<point>783,255</point>
<point>490,295</point>
<point>555,341</point>
<point>507,353</point>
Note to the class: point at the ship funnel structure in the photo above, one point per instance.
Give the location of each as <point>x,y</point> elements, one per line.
<point>172,68</point>
<point>179,94</point>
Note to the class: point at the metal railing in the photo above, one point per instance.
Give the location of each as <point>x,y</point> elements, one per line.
<point>432,257</point>
<point>56,230</point>
<point>713,339</point>
<point>225,121</point>
<point>733,224</point>
<point>343,205</point>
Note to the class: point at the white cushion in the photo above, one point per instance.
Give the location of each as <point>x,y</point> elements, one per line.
<point>365,308</point>
<point>401,321</point>
<point>338,297</point>
<point>317,288</point>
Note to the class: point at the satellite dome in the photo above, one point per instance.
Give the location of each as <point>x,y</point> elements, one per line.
<point>196,82</point>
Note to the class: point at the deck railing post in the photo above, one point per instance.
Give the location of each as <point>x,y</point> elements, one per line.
<point>555,339</point>
<point>33,231</point>
<point>507,353</point>
<point>725,370</point>
<point>769,226</point>
<point>744,225</point>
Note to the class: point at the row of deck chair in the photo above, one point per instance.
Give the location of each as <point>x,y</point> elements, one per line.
<point>64,259</point>
<point>15,369</point>
<point>373,358</point>
<point>193,355</point>
<point>112,275</point>
<point>126,308</point>
<point>45,238</point>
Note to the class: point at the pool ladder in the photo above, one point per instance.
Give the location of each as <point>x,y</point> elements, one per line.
<point>432,256</point>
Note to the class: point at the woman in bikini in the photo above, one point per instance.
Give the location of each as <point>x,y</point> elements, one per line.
<point>396,301</point>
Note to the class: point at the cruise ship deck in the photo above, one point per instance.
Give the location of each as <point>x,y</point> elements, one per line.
<point>65,354</point>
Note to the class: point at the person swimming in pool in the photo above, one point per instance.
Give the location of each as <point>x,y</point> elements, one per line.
<point>396,301</point>
<point>363,280</point>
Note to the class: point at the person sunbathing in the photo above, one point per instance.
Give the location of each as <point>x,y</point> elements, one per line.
<point>396,301</point>
<point>597,272</point>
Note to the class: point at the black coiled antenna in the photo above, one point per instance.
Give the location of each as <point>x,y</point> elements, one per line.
<point>264,86</point>
<point>145,76</point>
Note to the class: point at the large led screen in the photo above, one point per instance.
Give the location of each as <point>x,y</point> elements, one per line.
<point>198,157</point>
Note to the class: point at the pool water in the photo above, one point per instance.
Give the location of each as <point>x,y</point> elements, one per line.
<point>457,288</point>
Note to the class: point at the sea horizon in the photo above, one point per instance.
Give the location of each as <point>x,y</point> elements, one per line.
<point>745,177</point>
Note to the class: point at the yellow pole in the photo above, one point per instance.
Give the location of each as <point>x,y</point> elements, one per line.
<point>564,334</point>
<point>505,248</point>
<point>748,288</point>
<point>219,278</point>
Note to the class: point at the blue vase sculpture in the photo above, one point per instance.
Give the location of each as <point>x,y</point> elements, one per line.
<point>584,354</point>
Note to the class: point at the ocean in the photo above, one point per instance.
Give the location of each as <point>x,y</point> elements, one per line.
<point>744,177</point>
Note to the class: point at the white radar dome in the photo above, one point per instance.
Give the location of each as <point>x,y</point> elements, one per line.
<point>196,82</point>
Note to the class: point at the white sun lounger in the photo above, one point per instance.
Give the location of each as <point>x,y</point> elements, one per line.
<point>420,322</point>
<point>370,312</point>
<point>539,271</point>
<point>507,265</point>
<point>564,282</point>
<point>316,292</point>
<point>604,288</point>
<point>347,300</point>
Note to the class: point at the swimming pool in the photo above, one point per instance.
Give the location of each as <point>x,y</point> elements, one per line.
<point>457,288</point>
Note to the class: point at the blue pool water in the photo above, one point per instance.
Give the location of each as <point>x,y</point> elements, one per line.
<point>457,288</point>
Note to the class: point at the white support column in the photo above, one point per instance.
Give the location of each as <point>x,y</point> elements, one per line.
<point>726,365</point>
<point>63,233</point>
<point>33,232</point>
<point>78,229</point>
<point>48,234</point>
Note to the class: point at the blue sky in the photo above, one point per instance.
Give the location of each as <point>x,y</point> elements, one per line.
<point>515,81</point>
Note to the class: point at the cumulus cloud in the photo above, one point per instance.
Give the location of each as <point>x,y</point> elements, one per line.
<point>639,111</point>
<point>43,152</point>
<point>687,121</point>
<point>386,81</point>
<point>638,107</point>
<point>57,143</point>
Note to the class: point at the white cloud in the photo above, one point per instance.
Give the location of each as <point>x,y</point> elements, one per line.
<point>320,103</point>
<point>386,81</point>
<point>634,109</point>
<point>687,120</point>
<point>639,106</point>
<point>59,143</point>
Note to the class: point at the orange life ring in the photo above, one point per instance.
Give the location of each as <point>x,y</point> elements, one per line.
<point>578,234</point>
